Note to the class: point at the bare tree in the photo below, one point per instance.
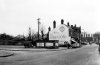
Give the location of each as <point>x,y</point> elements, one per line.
<point>42,31</point>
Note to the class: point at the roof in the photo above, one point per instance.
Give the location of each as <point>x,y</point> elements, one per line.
<point>68,26</point>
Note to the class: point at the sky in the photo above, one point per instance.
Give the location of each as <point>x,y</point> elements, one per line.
<point>16,16</point>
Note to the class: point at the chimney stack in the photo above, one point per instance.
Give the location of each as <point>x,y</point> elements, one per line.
<point>71,26</point>
<point>49,29</point>
<point>62,21</point>
<point>54,24</point>
<point>75,25</point>
<point>68,24</point>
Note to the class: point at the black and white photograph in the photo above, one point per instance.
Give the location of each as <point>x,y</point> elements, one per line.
<point>49,32</point>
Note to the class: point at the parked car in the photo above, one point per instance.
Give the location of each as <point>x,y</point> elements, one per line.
<point>28,44</point>
<point>84,43</point>
<point>76,45</point>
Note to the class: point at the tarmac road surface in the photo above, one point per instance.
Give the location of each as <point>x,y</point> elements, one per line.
<point>87,55</point>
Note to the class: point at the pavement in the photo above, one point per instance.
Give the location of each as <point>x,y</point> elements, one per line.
<point>33,49</point>
<point>4,53</point>
<point>8,48</point>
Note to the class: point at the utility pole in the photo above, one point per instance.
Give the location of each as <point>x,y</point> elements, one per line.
<point>38,27</point>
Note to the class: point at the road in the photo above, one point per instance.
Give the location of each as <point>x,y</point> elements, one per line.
<point>81,56</point>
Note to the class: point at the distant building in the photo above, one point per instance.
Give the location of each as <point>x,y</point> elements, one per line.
<point>86,37</point>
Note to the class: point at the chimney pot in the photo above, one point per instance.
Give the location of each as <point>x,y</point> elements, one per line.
<point>54,24</point>
<point>68,24</point>
<point>49,29</point>
<point>62,21</point>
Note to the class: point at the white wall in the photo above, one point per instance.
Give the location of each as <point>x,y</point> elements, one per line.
<point>60,33</point>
